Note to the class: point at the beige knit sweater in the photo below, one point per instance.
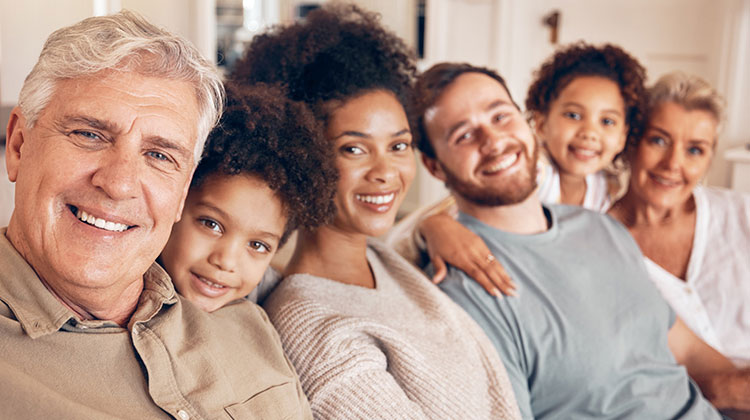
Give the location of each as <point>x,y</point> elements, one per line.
<point>403,350</point>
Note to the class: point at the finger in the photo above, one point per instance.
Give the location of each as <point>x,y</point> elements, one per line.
<point>499,277</point>
<point>479,275</point>
<point>440,269</point>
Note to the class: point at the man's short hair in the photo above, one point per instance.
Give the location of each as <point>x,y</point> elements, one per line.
<point>126,42</point>
<point>431,84</point>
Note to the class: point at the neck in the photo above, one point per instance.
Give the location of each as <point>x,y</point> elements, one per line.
<point>524,218</point>
<point>572,189</point>
<point>633,212</point>
<point>334,254</point>
<point>117,309</point>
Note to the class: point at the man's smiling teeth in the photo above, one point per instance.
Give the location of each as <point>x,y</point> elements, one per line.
<point>504,163</point>
<point>100,223</point>
<point>210,283</point>
<point>376,199</point>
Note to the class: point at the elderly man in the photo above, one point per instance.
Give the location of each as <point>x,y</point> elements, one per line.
<point>109,128</point>
<point>587,336</point>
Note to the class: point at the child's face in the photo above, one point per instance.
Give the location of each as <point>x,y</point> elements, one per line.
<point>585,126</point>
<point>230,229</point>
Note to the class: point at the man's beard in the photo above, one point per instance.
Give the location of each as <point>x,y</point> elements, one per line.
<point>514,191</point>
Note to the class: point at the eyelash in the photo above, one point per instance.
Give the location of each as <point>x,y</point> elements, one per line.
<point>255,245</point>
<point>87,134</point>
<point>211,224</point>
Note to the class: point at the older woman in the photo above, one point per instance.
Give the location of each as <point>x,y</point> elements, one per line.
<point>369,335</point>
<point>696,239</point>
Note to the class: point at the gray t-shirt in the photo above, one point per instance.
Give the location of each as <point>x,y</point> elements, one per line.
<point>586,336</point>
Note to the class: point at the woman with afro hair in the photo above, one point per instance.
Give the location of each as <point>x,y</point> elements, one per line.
<point>369,335</point>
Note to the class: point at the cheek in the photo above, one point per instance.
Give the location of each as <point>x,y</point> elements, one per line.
<point>408,169</point>
<point>647,157</point>
<point>252,273</point>
<point>698,169</point>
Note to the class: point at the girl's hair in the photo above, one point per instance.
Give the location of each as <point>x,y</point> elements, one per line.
<point>266,135</point>
<point>581,59</point>
<point>337,52</point>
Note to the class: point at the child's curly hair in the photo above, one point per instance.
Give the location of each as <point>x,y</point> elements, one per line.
<point>337,52</point>
<point>581,59</point>
<point>264,134</point>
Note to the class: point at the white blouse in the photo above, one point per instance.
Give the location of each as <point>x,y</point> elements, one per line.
<point>597,198</point>
<point>714,300</point>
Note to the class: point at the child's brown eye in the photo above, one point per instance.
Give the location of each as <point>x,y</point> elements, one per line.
<point>211,224</point>
<point>260,246</point>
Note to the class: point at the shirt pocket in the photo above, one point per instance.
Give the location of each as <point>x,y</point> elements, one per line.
<point>280,402</point>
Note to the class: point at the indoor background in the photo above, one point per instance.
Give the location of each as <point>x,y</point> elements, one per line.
<point>710,38</point>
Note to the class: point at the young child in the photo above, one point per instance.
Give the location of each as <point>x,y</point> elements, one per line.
<point>263,174</point>
<point>585,104</point>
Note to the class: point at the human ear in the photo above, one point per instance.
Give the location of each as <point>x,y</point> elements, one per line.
<point>540,124</point>
<point>434,167</point>
<point>14,140</point>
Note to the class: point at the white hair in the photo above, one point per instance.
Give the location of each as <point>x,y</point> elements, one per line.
<point>125,41</point>
<point>688,91</point>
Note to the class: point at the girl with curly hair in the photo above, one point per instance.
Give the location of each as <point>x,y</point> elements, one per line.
<point>264,172</point>
<point>585,104</point>
<point>369,335</point>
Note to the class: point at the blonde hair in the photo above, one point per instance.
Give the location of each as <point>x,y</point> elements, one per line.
<point>126,42</point>
<point>688,91</point>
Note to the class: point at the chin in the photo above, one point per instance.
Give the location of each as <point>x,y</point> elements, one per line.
<point>377,229</point>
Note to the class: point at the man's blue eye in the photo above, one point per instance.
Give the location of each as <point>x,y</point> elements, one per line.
<point>87,134</point>
<point>158,156</point>
<point>572,115</point>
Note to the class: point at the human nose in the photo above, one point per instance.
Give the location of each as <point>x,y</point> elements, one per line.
<point>492,140</point>
<point>383,168</point>
<point>673,157</point>
<point>224,255</point>
<point>118,174</point>
<point>588,130</point>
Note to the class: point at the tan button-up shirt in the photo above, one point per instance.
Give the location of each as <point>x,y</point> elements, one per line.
<point>173,360</point>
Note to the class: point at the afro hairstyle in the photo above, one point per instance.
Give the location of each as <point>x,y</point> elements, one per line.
<point>581,59</point>
<point>337,52</point>
<point>264,134</point>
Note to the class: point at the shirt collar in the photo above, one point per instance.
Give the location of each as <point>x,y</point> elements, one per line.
<point>40,313</point>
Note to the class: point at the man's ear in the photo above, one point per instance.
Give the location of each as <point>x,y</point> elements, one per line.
<point>14,139</point>
<point>434,167</point>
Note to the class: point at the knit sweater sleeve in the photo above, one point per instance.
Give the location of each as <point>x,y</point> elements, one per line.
<point>342,364</point>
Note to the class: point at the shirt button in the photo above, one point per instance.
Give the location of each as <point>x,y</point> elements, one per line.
<point>183,415</point>
<point>688,290</point>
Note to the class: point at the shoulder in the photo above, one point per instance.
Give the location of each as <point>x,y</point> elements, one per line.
<point>582,218</point>
<point>722,198</point>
